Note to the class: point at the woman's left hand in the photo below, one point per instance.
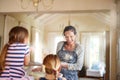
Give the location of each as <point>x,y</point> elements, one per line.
<point>63,64</point>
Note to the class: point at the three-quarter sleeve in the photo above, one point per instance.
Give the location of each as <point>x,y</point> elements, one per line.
<point>80,59</point>
<point>59,46</point>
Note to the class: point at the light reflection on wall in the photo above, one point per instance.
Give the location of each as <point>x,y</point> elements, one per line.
<point>53,39</point>
<point>37,46</point>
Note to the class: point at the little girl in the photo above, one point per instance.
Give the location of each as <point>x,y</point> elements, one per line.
<point>14,55</point>
<point>52,68</point>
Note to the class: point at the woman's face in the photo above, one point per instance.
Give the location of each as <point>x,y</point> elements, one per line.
<point>70,37</point>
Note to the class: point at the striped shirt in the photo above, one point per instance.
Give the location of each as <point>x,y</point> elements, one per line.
<point>15,62</point>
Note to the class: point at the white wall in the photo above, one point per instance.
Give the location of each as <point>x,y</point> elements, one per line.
<point>2,21</point>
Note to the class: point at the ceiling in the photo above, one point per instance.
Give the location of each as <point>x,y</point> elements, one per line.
<point>83,13</point>
<point>81,19</point>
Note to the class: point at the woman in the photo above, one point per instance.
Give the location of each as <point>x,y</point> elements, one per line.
<point>71,54</point>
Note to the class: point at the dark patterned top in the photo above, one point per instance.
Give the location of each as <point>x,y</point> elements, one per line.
<point>74,59</point>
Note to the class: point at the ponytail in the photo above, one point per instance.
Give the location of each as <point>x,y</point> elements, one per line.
<point>2,57</point>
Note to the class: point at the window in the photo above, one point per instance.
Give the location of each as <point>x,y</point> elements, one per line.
<point>94,47</point>
<point>53,39</point>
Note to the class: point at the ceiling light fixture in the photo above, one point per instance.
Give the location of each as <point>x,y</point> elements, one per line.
<point>47,4</point>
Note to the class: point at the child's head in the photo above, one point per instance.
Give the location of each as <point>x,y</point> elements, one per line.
<point>51,63</point>
<point>18,34</point>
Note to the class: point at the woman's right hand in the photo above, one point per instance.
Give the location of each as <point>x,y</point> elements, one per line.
<point>60,75</point>
<point>63,78</point>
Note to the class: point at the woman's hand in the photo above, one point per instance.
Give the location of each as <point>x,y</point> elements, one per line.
<point>64,65</point>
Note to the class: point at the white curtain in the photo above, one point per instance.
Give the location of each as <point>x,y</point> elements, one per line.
<point>94,45</point>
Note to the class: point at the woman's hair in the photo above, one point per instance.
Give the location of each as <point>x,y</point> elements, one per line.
<point>16,34</point>
<point>52,64</point>
<point>69,28</point>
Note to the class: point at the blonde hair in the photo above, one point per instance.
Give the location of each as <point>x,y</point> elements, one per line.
<point>16,34</point>
<point>52,64</point>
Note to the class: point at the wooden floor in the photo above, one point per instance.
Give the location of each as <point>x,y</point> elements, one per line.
<point>87,79</point>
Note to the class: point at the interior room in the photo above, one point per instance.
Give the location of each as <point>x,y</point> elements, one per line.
<point>96,22</point>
